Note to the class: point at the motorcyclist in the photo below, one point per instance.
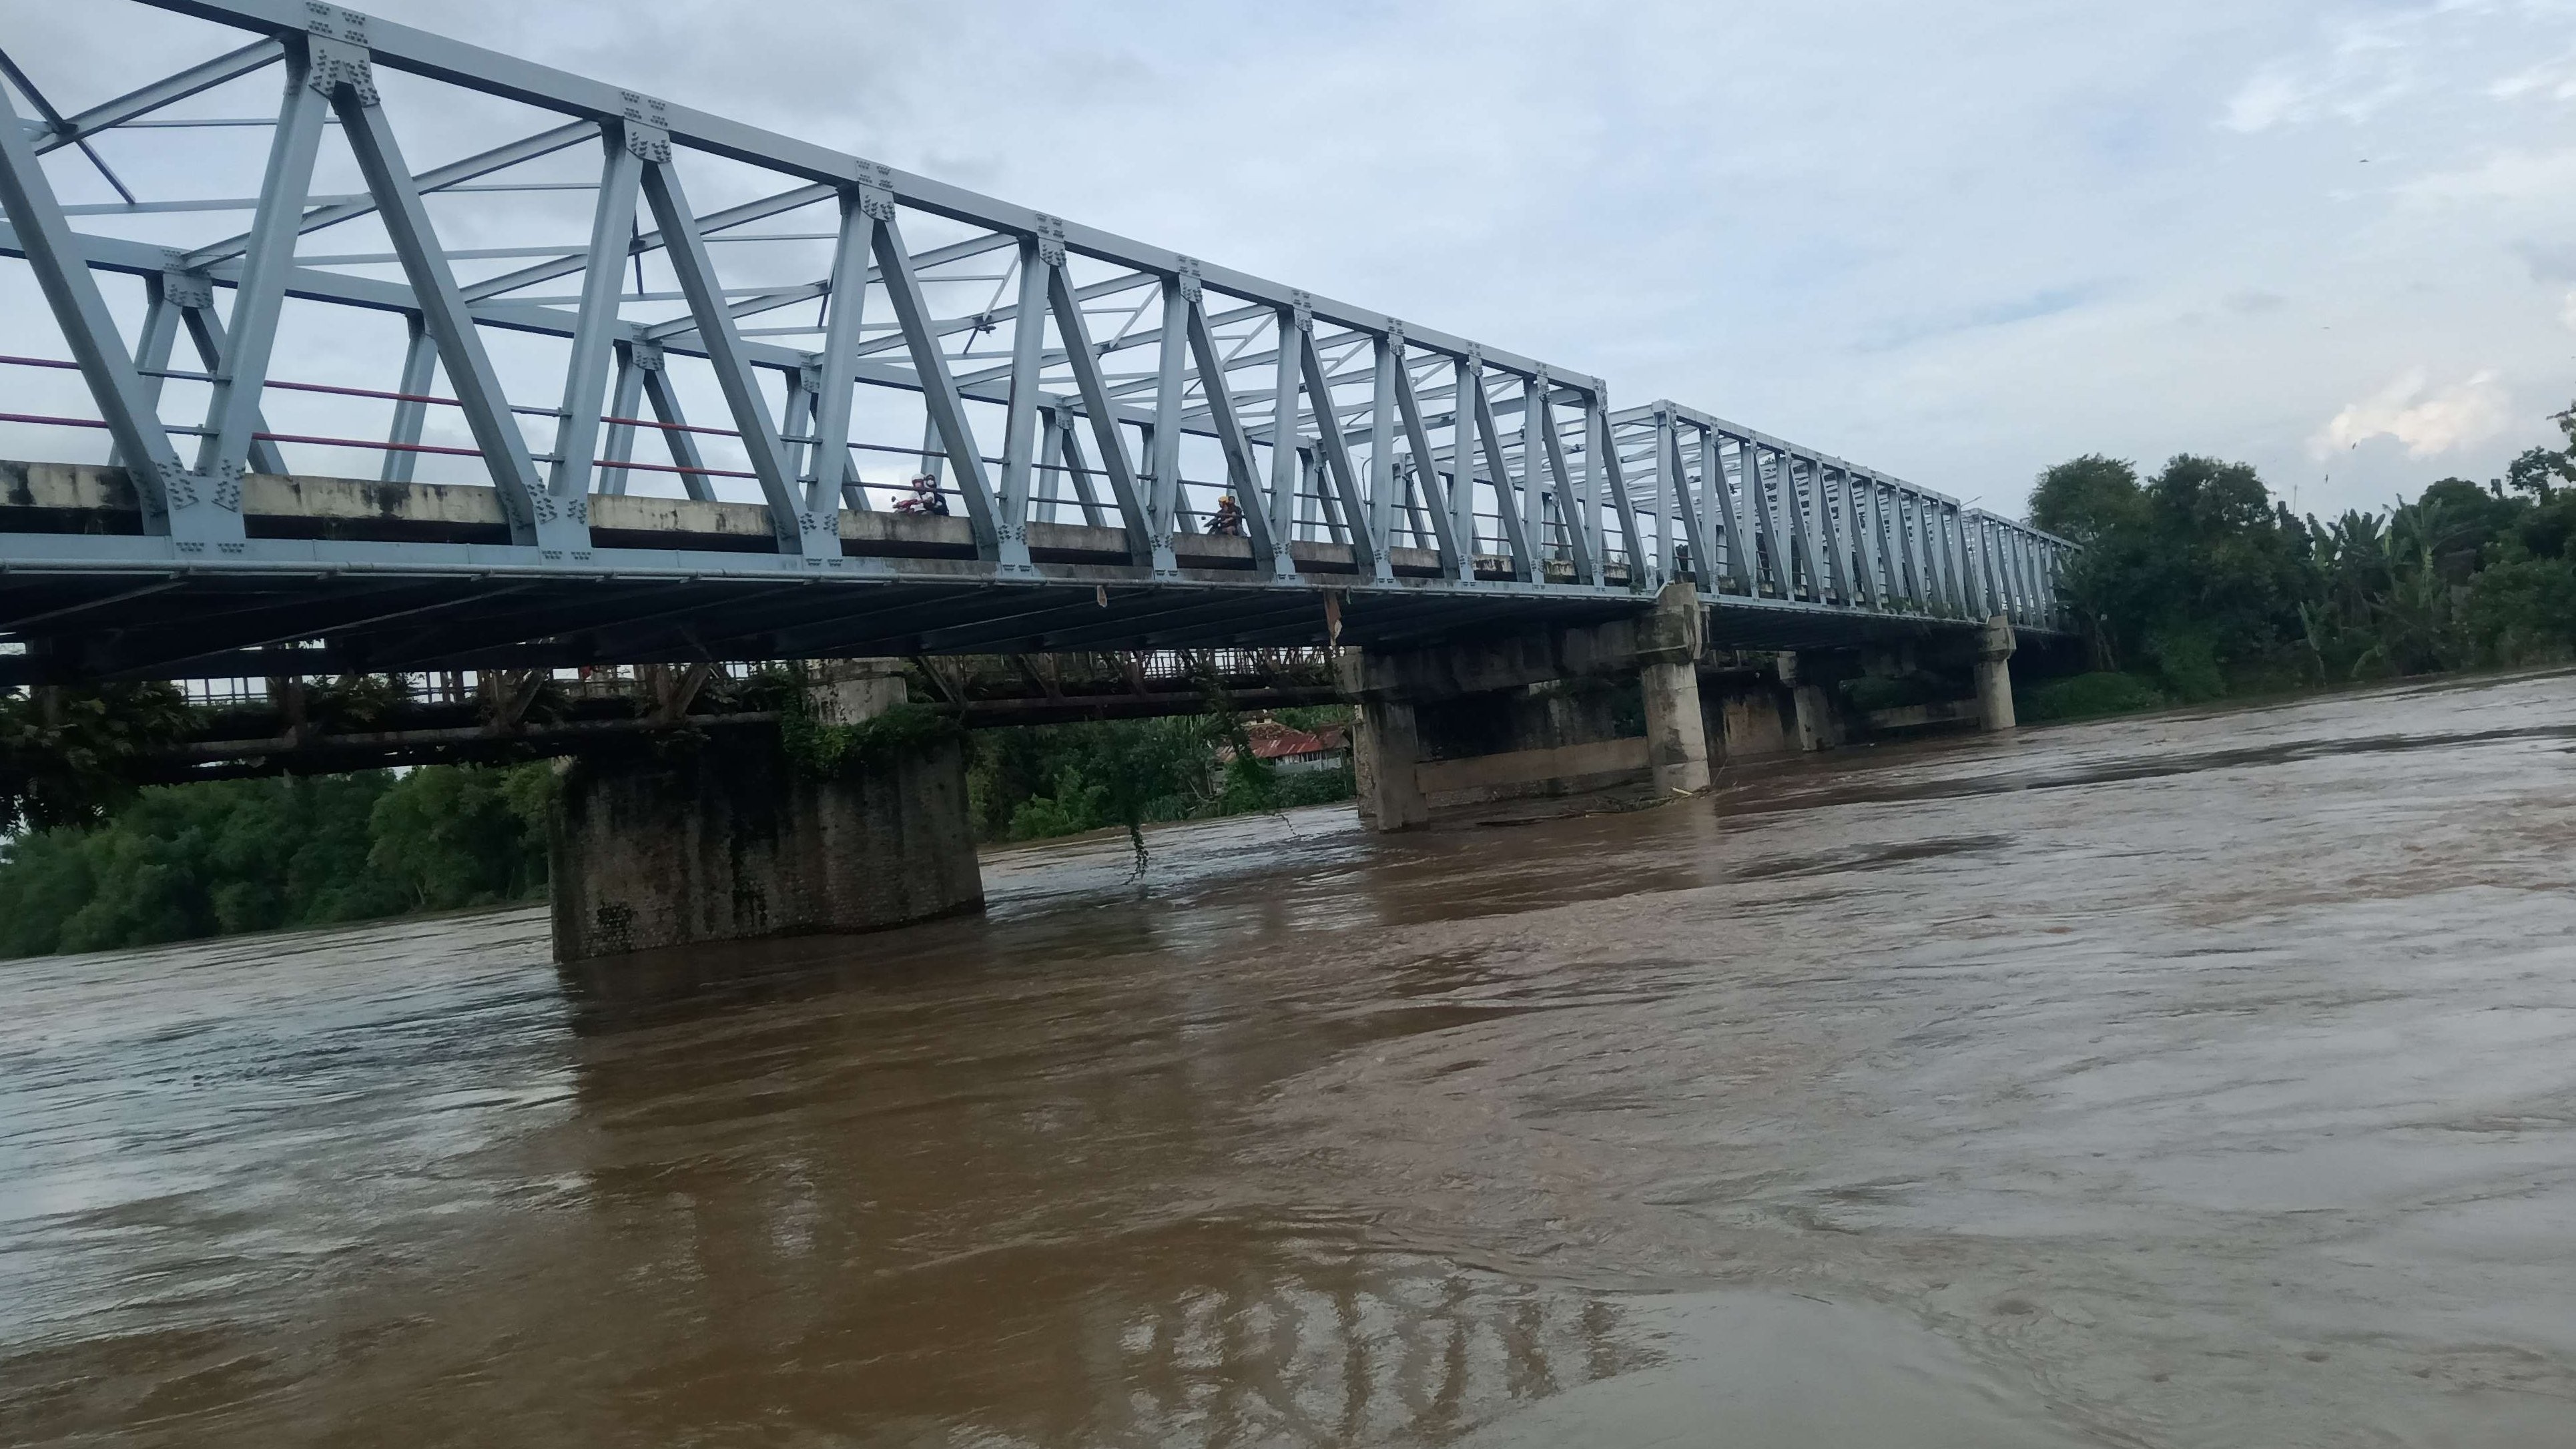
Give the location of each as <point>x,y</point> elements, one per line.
<point>1227,521</point>
<point>925,498</point>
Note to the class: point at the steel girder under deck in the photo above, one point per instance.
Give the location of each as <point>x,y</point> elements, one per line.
<point>826,333</point>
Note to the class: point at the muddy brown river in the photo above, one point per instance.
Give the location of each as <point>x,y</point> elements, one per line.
<point>2200,1080</point>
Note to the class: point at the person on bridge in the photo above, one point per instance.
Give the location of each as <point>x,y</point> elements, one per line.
<point>1227,521</point>
<point>925,498</point>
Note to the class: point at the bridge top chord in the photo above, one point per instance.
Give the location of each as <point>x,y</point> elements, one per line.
<point>615,379</point>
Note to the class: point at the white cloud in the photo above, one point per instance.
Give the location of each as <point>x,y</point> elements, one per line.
<point>2555,79</point>
<point>2567,310</point>
<point>2269,98</point>
<point>2513,176</point>
<point>2366,67</point>
<point>2469,411</point>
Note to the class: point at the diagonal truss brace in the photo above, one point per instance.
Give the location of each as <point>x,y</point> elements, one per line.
<point>1455,562</point>
<point>1607,475</point>
<point>1579,529</point>
<point>595,332</point>
<point>343,68</point>
<point>173,500</point>
<point>1210,366</point>
<point>938,387</point>
<point>1525,563</point>
<point>1368,548</point>
<point>1143,544</point>
<point>797,531</point>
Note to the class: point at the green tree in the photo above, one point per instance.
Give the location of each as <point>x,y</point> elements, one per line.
<point>464,836</point>
<point>1035,781</point>
<point>2084,498</point>
<point>202,859</point>
<point>215,857</point>
<point>2470,520</point>
<point>2540,471</point>
<point>66,754</point>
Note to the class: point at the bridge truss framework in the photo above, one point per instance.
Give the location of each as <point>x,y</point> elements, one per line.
<point>1425,482</point>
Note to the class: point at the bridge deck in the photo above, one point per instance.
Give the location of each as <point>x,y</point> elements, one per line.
<point>366,575</point>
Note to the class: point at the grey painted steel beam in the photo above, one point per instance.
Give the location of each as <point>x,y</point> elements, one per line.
<point>460,343</point>
<point>1454,560</point>
<point>1163,495</point>
<point>938,390</point>
<point>172,502</point>
<point>1023,418</point>
<point>1384,351</point>
<point>1608,478</point>
<point>797,530</point>
<point>455,173</point>
<point>135,104</point>
<point>1367,549</point>
<point>1240,473</point>
<point>1579,530</point>
<point>827,473</point>
<point>1143,547</point>
<point>1526,567</point>
<point>411,414</point>
<point>594,338</point>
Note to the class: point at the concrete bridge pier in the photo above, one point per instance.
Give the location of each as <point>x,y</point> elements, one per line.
<point>1386,750</point>
<point>1819,726</point>
<point>1994,675</point>
<point>734,837</point>
<point>1545,713</point>
<point>1676,728</point>
<point>1744,709</point>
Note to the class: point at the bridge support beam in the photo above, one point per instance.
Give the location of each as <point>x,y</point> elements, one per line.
<point>1746,712</point>
<point>1386,751</point>
<point>743,840</point>
<point>1817,727</point>
<point>1994,675</point>
<point>1547,713</point>
<point>1676,731</point>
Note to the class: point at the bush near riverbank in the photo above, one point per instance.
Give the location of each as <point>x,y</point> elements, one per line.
<point>2086,696</point>
<point>1041,781</point>
<point>2197,584</point>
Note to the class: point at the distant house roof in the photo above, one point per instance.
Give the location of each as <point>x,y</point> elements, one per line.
<point>1272,740</point>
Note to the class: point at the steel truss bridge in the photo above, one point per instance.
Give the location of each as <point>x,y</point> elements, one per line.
<point>541,403</point>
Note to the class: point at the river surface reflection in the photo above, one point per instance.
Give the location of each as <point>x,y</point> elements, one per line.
<point>2198,1080</point>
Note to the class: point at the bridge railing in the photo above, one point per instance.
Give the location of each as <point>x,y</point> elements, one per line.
<point>1741,512</point>
<point>588,277</point>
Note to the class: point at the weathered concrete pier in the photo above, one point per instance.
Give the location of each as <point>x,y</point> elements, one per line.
<point>1537,714</point>
<point>692,842</point>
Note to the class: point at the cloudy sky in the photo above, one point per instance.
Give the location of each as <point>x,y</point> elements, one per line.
<point>1956,242</point>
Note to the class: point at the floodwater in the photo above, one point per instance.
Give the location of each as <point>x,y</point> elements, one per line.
<point>2196,1080</point>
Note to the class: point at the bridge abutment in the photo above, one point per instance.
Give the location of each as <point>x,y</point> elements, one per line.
<point>740,839</point>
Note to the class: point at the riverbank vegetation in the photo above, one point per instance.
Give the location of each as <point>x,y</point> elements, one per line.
<point>1047,780</point>
<point>217,857</point>
<point>111,870</point>
<point>2196,583</point>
